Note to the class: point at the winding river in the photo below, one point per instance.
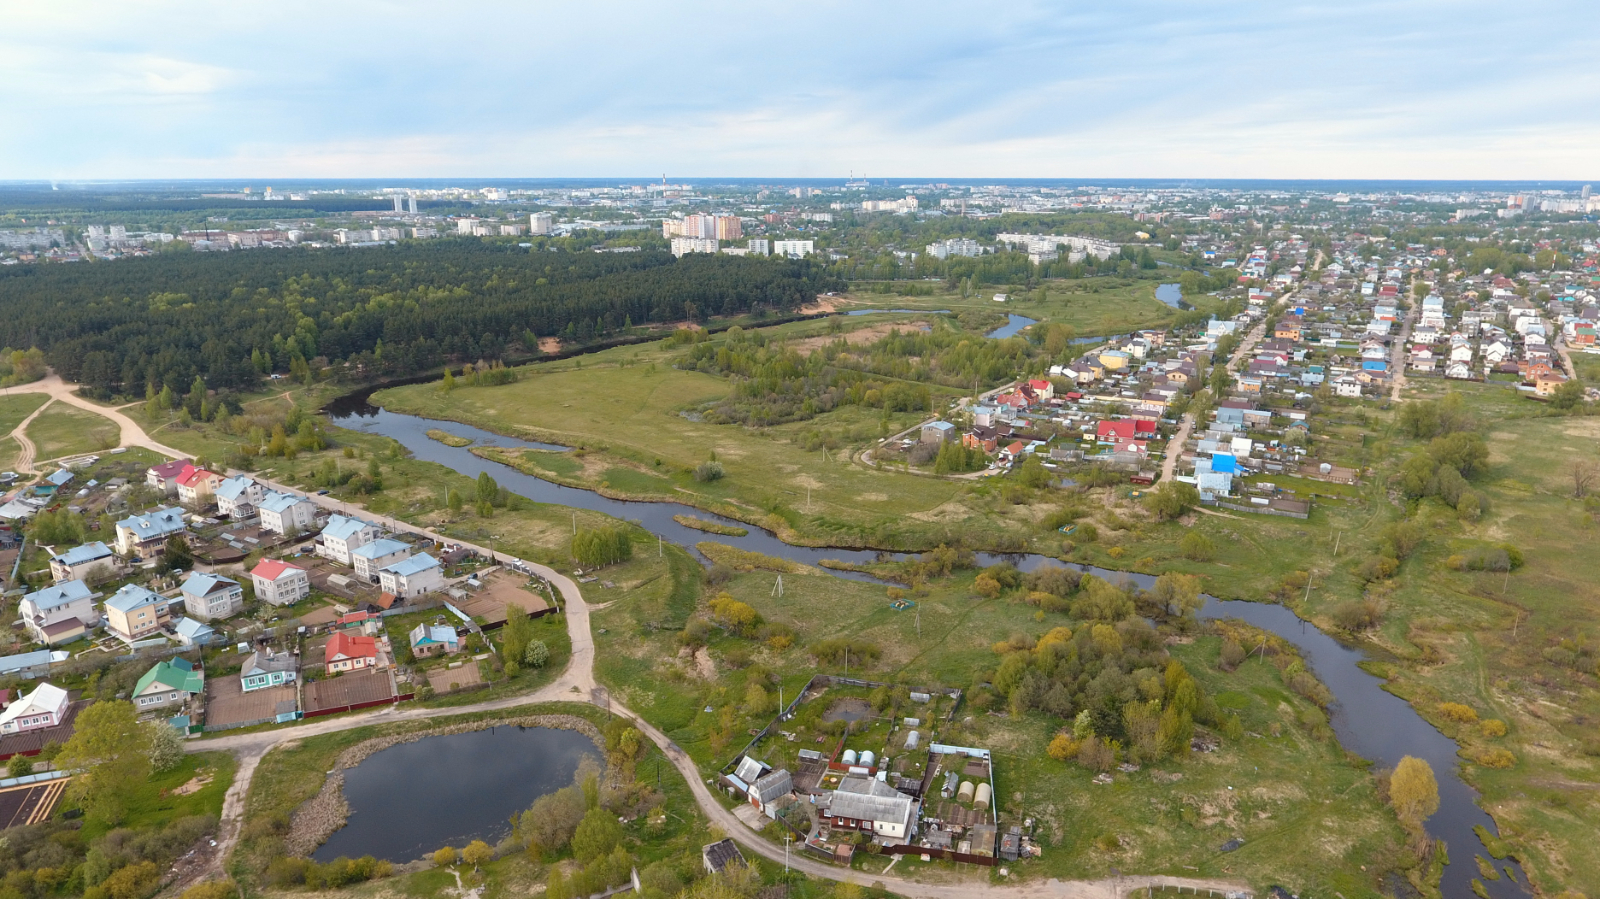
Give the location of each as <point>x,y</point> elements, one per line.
<point>1368,720</point>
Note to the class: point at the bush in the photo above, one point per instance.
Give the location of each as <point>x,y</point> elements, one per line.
<point>1063,748</point>
<point>1455,711</point>
<point>1494,758</point>
<point>1197,547</point>
<point>708,471</point>
<point>1377,568</point>
<point>840,649</point>
<point>1358,615</point>
<point>1492,727</point>
<point>537,655</point>
<point>1232,655</point>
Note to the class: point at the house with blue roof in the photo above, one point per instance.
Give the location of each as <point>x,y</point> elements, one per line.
<point>433,639</point>
<point>210,597</point>
<point>285,513</point>
<point>59,479</point>
<point>91,561</point>
<point>381,553</point>
<point>146,535</point>
<point>343,535</point>
<point>134,613</point>
<point>415,576</point>
<point>59,613</point>
<point>194,633</point>
<point>238,496</point>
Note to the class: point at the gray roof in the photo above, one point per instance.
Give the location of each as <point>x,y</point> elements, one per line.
<point>750,769</point>
<point>867,799</point>
<point>260,663</point>
<point>720,854</point>
<point>775,784</point>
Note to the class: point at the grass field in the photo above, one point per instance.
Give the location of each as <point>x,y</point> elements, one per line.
<point>1094,306</point>
<point>152,804</point>
<point>64,430</point>
<point>15,407</point>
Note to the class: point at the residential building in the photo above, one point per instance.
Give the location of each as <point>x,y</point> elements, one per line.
<point>45,707</point>
<point>938,432</point>
<point>89,562</point>
<point>433,640</point>
<point>145,535</point>
<point>759,246</point>
<point>684,245</point>
<point>351,652</point>
<point>540,223</point>
<point>871,806</point>
<point>955,246</point>
<point>285,513</point>
<point>342,535</point>
<point>168,683</point>
<point>280,583</point>
<point>378,554</point>
<point>134,613</point>
<point>239,497</point>
<point>210,597</point>
<point>59,613</point>
<point>414,576</point>
<point>29,664</point>
<point>196,486</point>
<point>794,249</point>
<point>194,633</point>
<point>728,227</point>
<point>266,669</point>
<point>164,477</point>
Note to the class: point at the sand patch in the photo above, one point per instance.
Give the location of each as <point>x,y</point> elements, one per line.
<point>873,497</point>
<point>950,511</point>
<point>193,785</point>
<point>549,344</point>
<point>858,337</point>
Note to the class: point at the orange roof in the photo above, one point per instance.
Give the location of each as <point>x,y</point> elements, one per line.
<point>191,476</point>
<point>345,645</point>
<point>272,569</point>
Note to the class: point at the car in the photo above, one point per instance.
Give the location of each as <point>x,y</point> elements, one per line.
<point>322,493</point>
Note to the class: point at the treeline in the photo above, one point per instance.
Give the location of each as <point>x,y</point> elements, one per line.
<point>775,383</point>
<point>382,311</point>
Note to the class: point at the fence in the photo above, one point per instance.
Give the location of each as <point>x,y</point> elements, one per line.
<point>41,777</point>
<point>987,861</point>
<point>360,705</point>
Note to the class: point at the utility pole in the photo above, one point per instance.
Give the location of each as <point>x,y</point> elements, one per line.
<point>660,550</point>
<point>574,524</point>
<point>1336,538</point>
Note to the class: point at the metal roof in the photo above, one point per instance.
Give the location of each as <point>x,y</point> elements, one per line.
<point>88,552</point>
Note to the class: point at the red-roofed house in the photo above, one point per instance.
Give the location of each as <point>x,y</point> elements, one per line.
<point>1044,389</point>
<point>196,486</point>
<point>279,582</point>
<point>1125,429</point>
<point>351,652</point>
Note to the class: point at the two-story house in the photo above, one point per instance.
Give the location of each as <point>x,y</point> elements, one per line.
<point>134,613</point>
<point>378,554</point>
<point>284,513</point>
<point>209,596</point>
<point>279,582</point>
<point>164,477</point>
<point>342,535</point>
<point>196,486</point>
<point>146,535</point>
<point>89,562</point>
<point>59,613</point>
<point>239,497</point>
<point>415,576</point>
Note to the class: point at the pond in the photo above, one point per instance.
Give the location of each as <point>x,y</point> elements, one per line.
<point>1368,720</point>
<point>410,799</point>
<point>1014,323</point>
<point>1172,295</point>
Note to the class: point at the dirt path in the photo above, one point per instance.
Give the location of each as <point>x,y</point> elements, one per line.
<point>132,434</point>
<point>1397,356</point>
<point>20,433</point>
<point>1175,447</point>
<point>1566,359</point>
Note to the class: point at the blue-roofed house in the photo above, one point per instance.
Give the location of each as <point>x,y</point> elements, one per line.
<point>134,613</point>
<point>285,513</point>
<point>369,558</point>
<point>415,576</point>
<point>209,597</point>
<point>60,478</point>
<point>938,432</point>
<point>29,664</point>
<point>146,534</point>
<point>194,633</point>
<point>433,640</point>
<point>239,496</point>
<point>89,562</point>
<point>1224,462</point>
<point>342,535</point>
<point>59,613</point>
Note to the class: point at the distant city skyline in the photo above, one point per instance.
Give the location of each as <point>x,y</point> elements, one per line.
<point>1404,90</point>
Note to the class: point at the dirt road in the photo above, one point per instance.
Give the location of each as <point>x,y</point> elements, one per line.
<point>132,433</point>
<point>1397,355</point>
<point>29,450</point>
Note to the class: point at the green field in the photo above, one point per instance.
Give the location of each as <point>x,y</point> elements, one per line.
<point>1092,307</point>
<point>64,430</point>
<point>16,407</point>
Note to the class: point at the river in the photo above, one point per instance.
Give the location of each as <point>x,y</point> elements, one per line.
<point>1367,719</point>
<point>410,799</point>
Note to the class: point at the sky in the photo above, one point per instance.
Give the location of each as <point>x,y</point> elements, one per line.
<point>1405,89</point>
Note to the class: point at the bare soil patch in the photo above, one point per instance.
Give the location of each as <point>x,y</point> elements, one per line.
<point>858,337</point>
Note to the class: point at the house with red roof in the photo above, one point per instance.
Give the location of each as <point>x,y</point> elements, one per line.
<point>351,652</point>
<point>1125,429</point>
<point>196,486</point>
<point>1043,389</point>
<point>164,477</point>
<point>279,582</point>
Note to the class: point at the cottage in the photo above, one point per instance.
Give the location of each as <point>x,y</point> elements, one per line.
<point>284,513</point>
<point>89,562</point>
<point>194,633</point>
<point>168,683</point>
<point>871,806</point>
<point>938,432</point>
<point>209,597</point>
<point>164,477</point>
<point>767,790</point>
<point>196,486</point>
<point>146,535</point>
<point>45,707</point>
<point>60,613</point>
<point>279,582</point>
<point>414,576</point>
<point>239,497</point>
<point>378,554</point>
<point>266,670</point>
<point>134,613</point>
<point>433,640</point>
<point>342,535</point>
<point>350,652</point>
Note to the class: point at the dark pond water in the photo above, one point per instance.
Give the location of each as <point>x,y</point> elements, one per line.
<point>1014,323</point>
<point>1172,295</point>
<point>1368,721</point>
<point>409,800</point>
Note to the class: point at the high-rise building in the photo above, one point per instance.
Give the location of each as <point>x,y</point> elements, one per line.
<point>466,226</point>
<point>411,202</point>
<point>794,249</point>
<point>682,245</point>
<point>399,203</point>
<point>1586,191</point>
<point>729,227</point>
<point>540,223</point>
<point>760,246</point>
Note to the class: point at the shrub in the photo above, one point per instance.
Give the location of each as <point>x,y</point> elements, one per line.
<point>840,649</point>
<point>708,471</point>
<point>1197,547</point>
<point>986,586</point>
<point>1377,568</point>
<point>1063,748</point>
<point>1358,614</point>
<point>1232,655</point>
<point>1455,711</point>
<point>1492,727</point>
<point>1494,758</point>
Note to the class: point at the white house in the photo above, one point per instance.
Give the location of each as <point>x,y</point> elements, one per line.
<point>279,582</point>
<point>376,555</point>
<point>239,494</point>
<point>146,534</point>
<point>164,477</point>
<point>209,596</point>
<point>59,613</point>
<point>82,563</point>
<point>46,706</point>
<point>342,535</point>
<point>284,513</point>
<point>412,577</point>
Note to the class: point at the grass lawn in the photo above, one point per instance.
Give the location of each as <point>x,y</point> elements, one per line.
<point>1094,306</point>
<point>15,407</point>
<point>153,805</point>
<point>64,430</point>
<point>10,449</point>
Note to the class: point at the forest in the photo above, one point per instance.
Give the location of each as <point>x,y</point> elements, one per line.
<point>233,318</point>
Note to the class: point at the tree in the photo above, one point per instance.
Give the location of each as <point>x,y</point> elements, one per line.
<point>1171,500</point>
<point>1177,594</point>
<point>19,766</point>
<point>176,555</point>
<point>166,747</point>
<point>477,853</point>
<point>1567,396</point>
<point>537,655</point>
<point>444,856</point>
<point>112,750</point>
<point>212,889</point>
<point>597,834</point>
<point>1413,792</point>
<point>1583,472</point>
<point>135,881</point>
<point>594,547</point>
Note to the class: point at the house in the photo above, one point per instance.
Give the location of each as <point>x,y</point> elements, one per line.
<point>719,856</point>
<point>266,670</point>
<point>1042,388</point>
<point>194,633</point>
<point>938,432</point>
<point>30,664</point>
<point>45,707</point>
<point>279,582</point>
<point>59,613</point>
<point>168,682</point>
<point>239,497</point>
<point>1458,370</point>
<point>134,613</point>
<point>164,477</point>
<point>871,806</point>
<point>378,554</point>
<point>414,576</point>
<point>196,486</point>
<point>284,513</point>
<point>89,562</point>
<point>768,789</point>
<point>343,535</point>
<point>350,652</point>
<point>146,535</point>
<point>1124,429</point>
<point>433,639</point>
<point>210,596</point>
<point>1546,383</point>
<point>59,478</point>
<point>1346,386</point>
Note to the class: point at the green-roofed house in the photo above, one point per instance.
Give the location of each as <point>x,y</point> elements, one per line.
<point>169,684</point>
